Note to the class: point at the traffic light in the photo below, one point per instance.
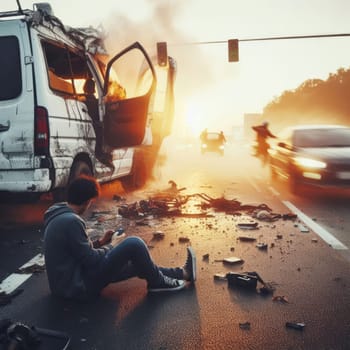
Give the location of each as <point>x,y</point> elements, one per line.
<point>233,50</point>
<point>162,53</point>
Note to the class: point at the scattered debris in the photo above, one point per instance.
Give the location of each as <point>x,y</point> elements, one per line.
<point>158,235</point>
<point>184,239</point>
<point>281,298</point>
<point>303,228</point>
<point>245,325</point>
<point>242,280</point>
<point>205,257</point>
<point>262,246</point>
<point>246,239</point>
<point>220,277</point>
<point>232,260</point>
<point>248,225</point>
<point>295,325</point>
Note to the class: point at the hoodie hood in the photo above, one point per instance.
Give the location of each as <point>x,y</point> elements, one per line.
<point>54,210</point>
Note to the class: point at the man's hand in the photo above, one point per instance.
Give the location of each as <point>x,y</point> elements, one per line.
<point>106,238</point>
<point>116,239</point>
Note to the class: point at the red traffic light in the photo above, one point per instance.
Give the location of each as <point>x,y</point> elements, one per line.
<point>233,50</point>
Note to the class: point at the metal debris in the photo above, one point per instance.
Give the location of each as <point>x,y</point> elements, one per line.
<point>246,239</point>
<point>158,235</point>
<point>232,260</point>
<point>245,325</point>
<point>281,298</point>
<point>295,325</point>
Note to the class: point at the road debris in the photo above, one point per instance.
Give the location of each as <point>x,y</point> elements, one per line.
<point>246,239</point>
<point>242,280</point>
<point>303,228</point>
<point>281,298</point>
<point>262,246</point>
<point>244,326</point>
<point>249,280</point>
<point>158,235</point>
<point>205,257</point>
<point>184,239</point>
<point>295,325</point>
<point>232,260</point>
<point>248,226</point>
<point>220,277</point>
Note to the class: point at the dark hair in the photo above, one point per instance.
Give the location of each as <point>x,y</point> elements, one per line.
<point>82,189</point>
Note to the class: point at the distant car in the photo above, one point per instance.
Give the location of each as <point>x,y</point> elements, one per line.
<point>213,142</point>
<point>317,155</point>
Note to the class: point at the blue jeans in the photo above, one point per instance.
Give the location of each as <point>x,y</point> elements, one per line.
<point>130,258</point>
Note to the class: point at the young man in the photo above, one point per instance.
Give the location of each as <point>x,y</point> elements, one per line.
<point>79,269</point>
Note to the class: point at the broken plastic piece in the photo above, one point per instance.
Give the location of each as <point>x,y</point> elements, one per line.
<point>248,225</point>
<point>262,246</point>
<point>220,277</point>
<point>245,325</point>
<point>158,235</point>
<point>242,280</point>
<point>232,260</point>
<point>205,257</point>
<point>246,238</point>
<point>295,325</point>
<point>281,298</point>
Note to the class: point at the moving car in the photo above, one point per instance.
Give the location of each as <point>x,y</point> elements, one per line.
<point>213,142</point>
<point>317,155</point>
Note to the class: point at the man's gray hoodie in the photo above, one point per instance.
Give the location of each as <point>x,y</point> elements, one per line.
<point>68,252</point>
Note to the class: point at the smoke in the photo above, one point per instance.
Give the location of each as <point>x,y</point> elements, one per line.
<point>194,67</point>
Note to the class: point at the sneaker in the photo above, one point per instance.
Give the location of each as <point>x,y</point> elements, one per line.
<point>168,285</point>
<point>190,265</point>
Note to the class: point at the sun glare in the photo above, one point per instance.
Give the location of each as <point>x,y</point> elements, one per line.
<point>194,119</point>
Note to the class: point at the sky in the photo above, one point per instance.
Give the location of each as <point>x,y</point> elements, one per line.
<point>210,91</point>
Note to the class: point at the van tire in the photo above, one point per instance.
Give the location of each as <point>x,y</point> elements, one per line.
<point>78,168</point>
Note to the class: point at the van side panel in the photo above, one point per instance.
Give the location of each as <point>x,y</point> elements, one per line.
<point>18,165</point>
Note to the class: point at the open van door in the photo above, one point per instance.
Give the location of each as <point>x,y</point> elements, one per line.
<point>127,102</point>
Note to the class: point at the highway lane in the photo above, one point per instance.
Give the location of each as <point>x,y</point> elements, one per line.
<point>313,277</point>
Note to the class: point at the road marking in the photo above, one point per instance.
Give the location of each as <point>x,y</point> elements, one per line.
<point>12,282</point>
<point>253,184</point>
<point>276,193</point>
<point>319,230</point>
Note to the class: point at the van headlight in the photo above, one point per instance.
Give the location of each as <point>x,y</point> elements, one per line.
<point>309,163</point>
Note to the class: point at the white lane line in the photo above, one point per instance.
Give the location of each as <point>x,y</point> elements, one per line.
<point>276,193</point>
<point>319,230</point>
<point>253,184</point>
<point>12,282</point>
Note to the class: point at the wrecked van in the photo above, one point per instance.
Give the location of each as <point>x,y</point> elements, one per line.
<point>68,108</point>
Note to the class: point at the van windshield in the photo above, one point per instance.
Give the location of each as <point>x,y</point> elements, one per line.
<point>10,68</point>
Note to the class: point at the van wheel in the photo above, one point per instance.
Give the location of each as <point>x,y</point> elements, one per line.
<point>78,168</point>
<point>139,174</point>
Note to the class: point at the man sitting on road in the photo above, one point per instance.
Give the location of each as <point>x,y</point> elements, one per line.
<point>79,269</point>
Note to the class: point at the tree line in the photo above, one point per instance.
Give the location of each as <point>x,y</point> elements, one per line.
<point>314,101</point>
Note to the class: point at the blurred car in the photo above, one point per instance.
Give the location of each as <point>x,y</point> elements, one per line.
<point>213,142</point>
<point>317,155</point>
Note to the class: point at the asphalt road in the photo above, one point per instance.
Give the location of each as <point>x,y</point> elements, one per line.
<point>311,277</point>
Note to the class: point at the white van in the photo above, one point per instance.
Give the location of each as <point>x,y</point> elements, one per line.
<point>66,108</point>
